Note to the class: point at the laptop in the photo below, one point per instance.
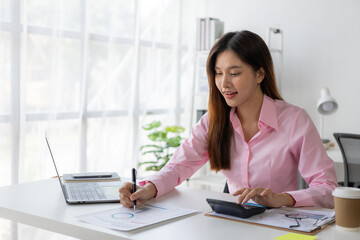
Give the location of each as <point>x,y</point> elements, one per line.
<point>87,192</point>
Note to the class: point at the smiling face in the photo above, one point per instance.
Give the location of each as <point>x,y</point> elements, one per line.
<point>236,80</point>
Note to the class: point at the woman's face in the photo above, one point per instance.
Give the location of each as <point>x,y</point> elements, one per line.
<point>236,80</point>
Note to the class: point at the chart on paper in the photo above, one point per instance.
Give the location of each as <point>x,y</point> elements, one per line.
<point>126,219</point>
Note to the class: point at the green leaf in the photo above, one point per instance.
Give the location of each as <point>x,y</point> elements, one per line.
<point>163,143</point>
<point>158,155</point>
<point>157,136</point>
<point>167,157</point>
<point>154,124</point>
<point>174,129</point>
<point>146,162</point>
<point>152,151</point>
<point>174,141</point>
<point>150,145</point>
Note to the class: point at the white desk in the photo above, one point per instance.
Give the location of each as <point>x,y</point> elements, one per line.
<point>49,211</point>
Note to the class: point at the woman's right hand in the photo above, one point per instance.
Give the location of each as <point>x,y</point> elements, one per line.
<point>141,195</point>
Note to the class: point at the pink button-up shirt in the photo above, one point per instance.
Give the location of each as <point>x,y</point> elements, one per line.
<point>287,142</point>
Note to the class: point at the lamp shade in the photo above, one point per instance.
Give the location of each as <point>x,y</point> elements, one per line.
<point>326,104</point>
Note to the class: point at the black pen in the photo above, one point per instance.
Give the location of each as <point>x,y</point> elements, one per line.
<point>133,173</point>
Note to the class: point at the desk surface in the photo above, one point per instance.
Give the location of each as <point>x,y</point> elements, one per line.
<point>41,204</point>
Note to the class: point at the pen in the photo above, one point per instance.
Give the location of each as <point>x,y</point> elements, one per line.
<point>133,173</point>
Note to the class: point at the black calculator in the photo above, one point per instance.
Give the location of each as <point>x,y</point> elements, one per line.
<point>233,209</point>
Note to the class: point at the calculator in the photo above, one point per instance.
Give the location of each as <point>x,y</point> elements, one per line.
<point>233,209</point>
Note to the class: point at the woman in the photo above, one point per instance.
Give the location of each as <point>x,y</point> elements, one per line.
<point>256,139</point>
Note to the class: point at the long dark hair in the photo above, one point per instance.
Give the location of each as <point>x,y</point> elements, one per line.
<point>251,49</point>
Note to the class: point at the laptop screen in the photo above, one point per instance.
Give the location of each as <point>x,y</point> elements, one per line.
<point>57,173</point>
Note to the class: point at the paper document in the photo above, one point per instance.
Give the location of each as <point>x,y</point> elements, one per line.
<point>126,219</point>
<point>290,218</point>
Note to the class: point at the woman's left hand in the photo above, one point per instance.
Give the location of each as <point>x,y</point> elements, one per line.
<point>264,197</point>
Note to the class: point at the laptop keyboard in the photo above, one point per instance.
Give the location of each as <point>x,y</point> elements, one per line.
<point>85,191</point>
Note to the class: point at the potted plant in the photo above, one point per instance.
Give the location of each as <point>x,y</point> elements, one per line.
<point>165,141</point>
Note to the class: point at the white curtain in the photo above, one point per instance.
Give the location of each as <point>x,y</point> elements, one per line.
<point>90,73</point>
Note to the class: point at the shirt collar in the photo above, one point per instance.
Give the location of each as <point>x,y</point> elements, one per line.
<point>268,114</point>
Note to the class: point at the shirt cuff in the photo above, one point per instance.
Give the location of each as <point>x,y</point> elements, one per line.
<point>301,198</point>
<point>292,199</point>
<point>144,182</point>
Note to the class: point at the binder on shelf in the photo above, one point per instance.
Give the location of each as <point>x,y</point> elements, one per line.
<point>216,31</point>
<point>208,31</point>
<point>202,32</point>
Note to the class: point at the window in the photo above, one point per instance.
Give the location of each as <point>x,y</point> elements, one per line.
<point>90,73</point>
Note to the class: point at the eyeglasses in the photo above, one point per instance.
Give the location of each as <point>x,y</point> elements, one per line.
<point>296,216</point>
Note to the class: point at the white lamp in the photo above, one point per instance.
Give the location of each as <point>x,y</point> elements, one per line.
<point>325,106</point>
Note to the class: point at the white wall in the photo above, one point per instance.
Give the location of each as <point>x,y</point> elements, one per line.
<point>321,48</point>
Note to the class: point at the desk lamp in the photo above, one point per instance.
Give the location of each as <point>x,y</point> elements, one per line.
<point>325,106</point>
